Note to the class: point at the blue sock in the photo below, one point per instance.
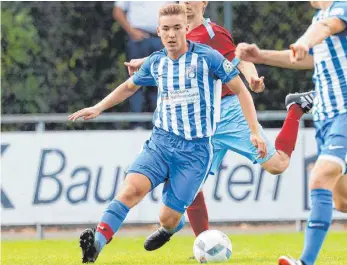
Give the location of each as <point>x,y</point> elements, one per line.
<point>317,224</point>
<point>178,227</point>
<point>110,222</point>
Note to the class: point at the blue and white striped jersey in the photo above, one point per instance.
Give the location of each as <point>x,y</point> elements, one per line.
<point>186,96</point>
<point>330,67</point>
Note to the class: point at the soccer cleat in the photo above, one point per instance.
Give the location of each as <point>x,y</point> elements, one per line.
<point>284,260</point>
<point>157,239</point>
<point>304,100</point>
<point>87,244</point>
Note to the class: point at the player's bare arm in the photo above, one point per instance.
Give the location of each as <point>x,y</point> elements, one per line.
<point>314,35</point>
<point>255,82</point>
<point>252,53</point>
<point>134,65</point>
<point>248,109</point>
<point>117,96</point>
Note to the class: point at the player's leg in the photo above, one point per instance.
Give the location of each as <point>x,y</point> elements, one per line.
<point>148,171</point>
<point>340,191</point>
<point>340,195</point>
<point>171,221</point>
<point>197,211</point>
<point>297,105</point>
<point>233,134</point>
<point>188,171</point>
<point>198,215</point>
<point>92,241</point>
<point>325,176</point>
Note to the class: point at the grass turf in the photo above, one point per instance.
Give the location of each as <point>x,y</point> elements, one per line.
<point>259,249</point>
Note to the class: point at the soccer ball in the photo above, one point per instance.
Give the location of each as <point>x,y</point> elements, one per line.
<point>212,246</point>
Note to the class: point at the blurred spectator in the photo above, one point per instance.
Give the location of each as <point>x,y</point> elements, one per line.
<point>140,20</point>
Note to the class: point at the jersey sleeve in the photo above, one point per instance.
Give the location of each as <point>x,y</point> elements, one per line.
<point>221,67</point>
<point>223,43</point>
<point>144,77</point>
<point>339,10</point>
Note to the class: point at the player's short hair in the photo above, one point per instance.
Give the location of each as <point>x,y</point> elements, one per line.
<point>172,9</point>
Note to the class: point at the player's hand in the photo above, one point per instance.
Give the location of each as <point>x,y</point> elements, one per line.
<point>298,52</point>
<point>260,144</point>
<point>86,114</point>
<point>134,65</point>
<point>248,52</point>
<point>138,35</point>
<point>257,84</point>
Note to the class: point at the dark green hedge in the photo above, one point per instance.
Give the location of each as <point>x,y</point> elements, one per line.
<point>60,56</point>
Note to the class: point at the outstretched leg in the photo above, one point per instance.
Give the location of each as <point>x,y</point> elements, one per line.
<point>93,241</point>
<point>296,104</point>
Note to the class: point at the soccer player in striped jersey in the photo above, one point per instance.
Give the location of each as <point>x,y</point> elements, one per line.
<point>322,47</point>
<point>232,131</point>
<point>179,151</point>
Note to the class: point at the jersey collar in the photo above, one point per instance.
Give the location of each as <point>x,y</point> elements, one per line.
<point>191,46</point>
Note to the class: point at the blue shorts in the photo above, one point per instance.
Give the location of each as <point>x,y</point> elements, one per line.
<point>331,137</point>
<point>182,164</point>
<point>233,134</point>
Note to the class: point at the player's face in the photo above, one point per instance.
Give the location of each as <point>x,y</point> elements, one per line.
<point>172,31</point>
<point>194,8</point>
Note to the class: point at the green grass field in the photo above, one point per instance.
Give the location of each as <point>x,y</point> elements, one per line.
<point>257,249</point>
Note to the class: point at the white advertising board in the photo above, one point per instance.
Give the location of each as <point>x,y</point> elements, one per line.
<point>69,177</point>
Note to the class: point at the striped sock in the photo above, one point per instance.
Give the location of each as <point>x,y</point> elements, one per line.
<point>110,222</point>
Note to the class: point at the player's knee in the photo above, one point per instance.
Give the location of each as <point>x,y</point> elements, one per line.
<point>136,191</point>
<point>277,167</point>
<point>341,206</point>
<point>131,194</point>
<point>340,203</point>
<point>169,221</point>
<point>277,164</point>
<point>275,170</point>
<point>324,175</point>
<point>318,180</point>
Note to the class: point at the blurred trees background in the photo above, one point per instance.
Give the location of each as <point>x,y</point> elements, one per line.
<point>274,25</point>
<point>60,56</point>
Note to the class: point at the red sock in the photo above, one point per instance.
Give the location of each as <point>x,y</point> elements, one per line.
<point>197,213</point>
<point>286,139</point>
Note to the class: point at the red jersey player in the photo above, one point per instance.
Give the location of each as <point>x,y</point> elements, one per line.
<point>232,119</point>
<point>205,32</point>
